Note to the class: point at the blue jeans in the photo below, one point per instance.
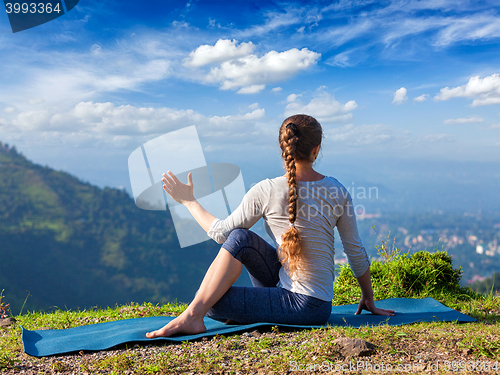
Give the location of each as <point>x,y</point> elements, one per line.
<point>264,302</point>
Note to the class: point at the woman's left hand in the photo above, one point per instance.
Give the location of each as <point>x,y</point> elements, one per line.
<point>369,304</point>
<point>179,192</point>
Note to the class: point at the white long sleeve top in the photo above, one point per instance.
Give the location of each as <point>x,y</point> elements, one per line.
<point>321,206</point>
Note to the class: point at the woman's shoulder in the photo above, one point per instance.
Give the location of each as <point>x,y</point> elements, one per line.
<point>333,181</point>
<point>325,181</point>
<point>268,184</point>
<point>277,180</point>
<point>327,187</point>
<point>271,182</point>
<point>282,182</point>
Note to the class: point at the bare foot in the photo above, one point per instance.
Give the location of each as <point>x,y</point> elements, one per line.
<point>182,324</point>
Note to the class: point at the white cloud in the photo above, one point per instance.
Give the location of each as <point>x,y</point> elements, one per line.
<point>180,24</point>
<point>421,98</point>
<point>95,49</point>
<point>485,91</point>
<point>443,30</point>
<point>276,89</point>
<point>486,101</point>
<point>9,109</point>
<point>254,89</point>
<point>400,96</point>
<point>437,138</point>
<point>468,28</point>
<point>324,107</point>
<point>468,120</point>
<point>32,120</point>
<point>493,126</point>
<point>252,70</point>
<point>253,106</point>
<point>339,35</point>
<point>102,119</point>
<point>97,127</point>
<point>79,82</point>
<point>36,101</point>
<point>341,60</point>
<point>122,120</point>
<point>397,29</point>
<point>68,76</point>
<point>363,135</point>
<point>223,50</point>
<point>391,24</point>
<point>274,21</point>
<point>254,115</point>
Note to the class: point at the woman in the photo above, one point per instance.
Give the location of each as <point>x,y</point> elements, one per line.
<point>294,284</point>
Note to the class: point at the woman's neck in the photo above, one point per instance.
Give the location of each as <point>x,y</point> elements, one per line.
<point>305,172</point>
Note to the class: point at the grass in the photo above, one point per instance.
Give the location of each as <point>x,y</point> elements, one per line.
<point>274,351</point>
<point>437,346</point>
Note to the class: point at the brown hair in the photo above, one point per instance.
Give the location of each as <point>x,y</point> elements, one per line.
<point>298,135</point>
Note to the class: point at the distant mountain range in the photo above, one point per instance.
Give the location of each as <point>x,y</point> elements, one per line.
<point>69,244</point>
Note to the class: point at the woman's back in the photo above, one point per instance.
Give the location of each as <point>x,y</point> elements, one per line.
<point>321,205</point>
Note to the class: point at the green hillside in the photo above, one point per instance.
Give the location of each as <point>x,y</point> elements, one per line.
<point>70,244</point>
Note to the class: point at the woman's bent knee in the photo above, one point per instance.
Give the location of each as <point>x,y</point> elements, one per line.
<point>237,240</point>
<point>239,235</point>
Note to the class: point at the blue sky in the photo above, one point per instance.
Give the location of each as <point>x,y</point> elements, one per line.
<point>406,91</point>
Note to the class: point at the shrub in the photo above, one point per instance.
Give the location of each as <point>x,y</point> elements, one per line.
<point>422,274</point>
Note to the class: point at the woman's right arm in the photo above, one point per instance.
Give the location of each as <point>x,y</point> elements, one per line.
<point>250,210</point>
<point>245,216</point>
<point>183,193</point>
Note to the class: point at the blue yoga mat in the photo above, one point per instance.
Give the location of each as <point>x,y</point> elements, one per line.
<point>107,335</point>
